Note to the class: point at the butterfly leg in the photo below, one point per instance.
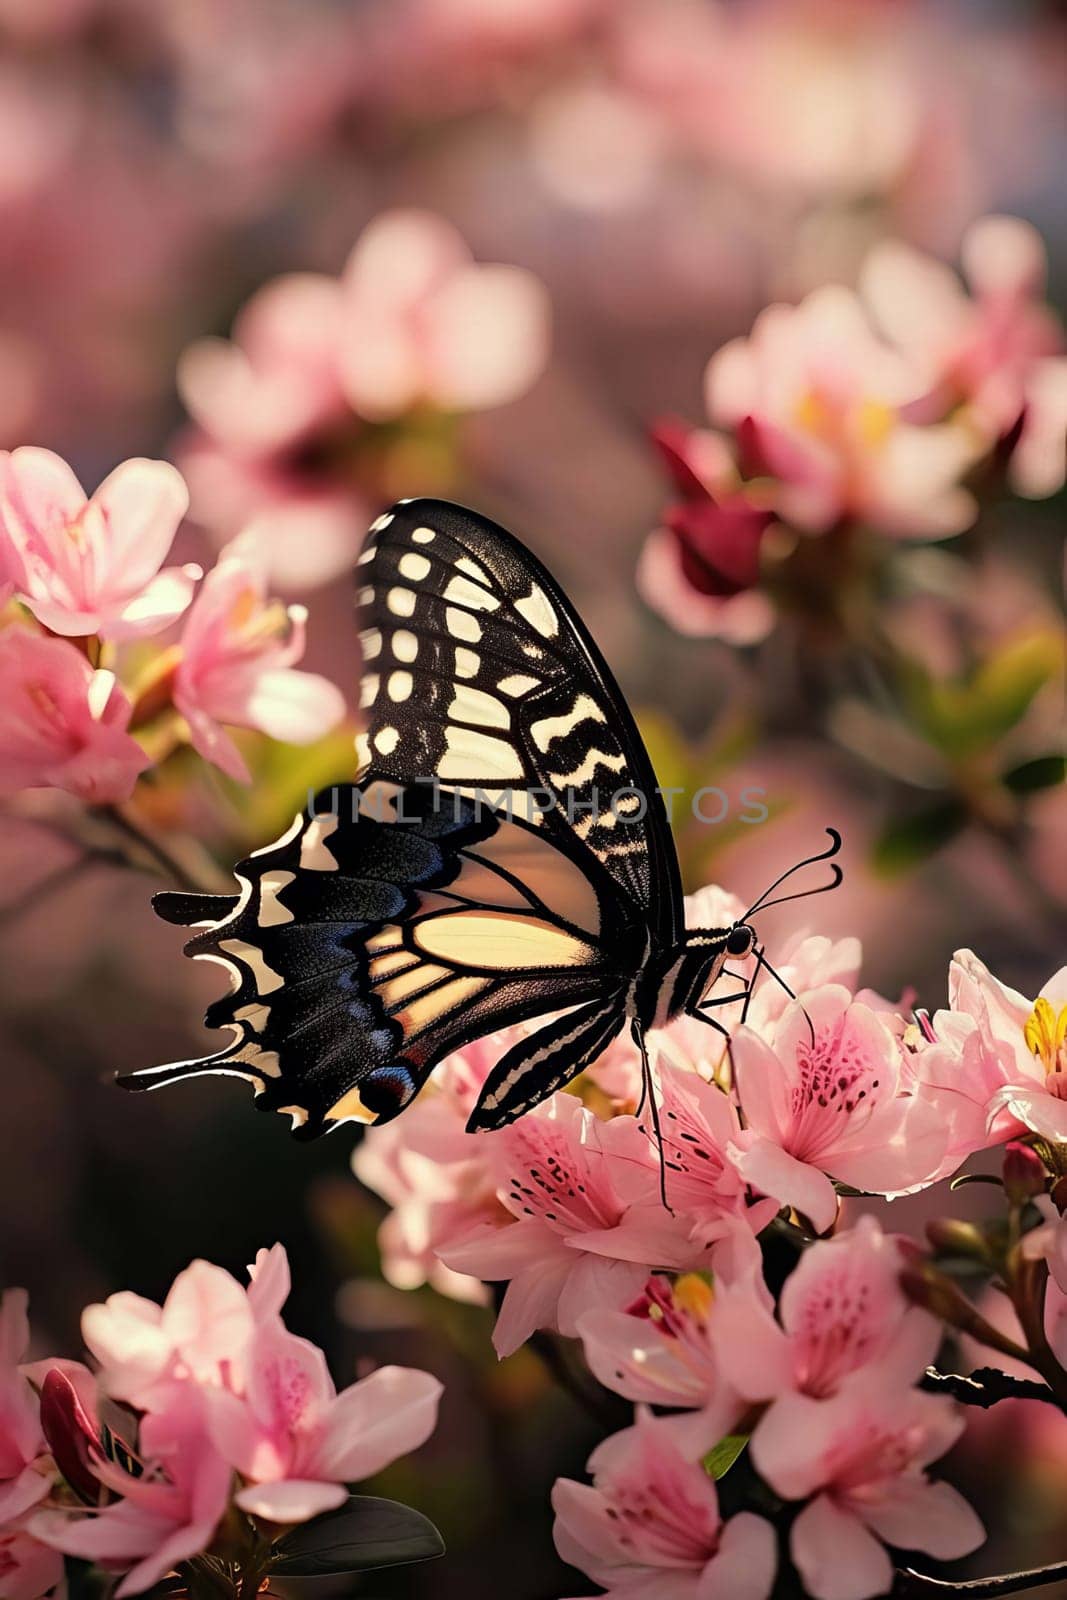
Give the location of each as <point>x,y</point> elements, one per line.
<point>648,1092</point>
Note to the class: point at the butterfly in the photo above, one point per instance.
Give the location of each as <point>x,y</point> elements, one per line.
<point>503,856</point>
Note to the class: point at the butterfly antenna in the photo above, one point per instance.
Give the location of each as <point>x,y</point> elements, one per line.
<point>648,1092</point>
<point>762,964</point>
<point>763,903</point>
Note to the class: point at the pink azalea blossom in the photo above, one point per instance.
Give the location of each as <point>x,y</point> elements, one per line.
<point>297,1442</point>
<point>660,1351</point>
<point>844,1317</point>
<point>998,1065</point>
<point>62,725</point>
<point>26,1472</point>
<point>649,1526</point>
<point>165,1515</point>
<point>861,1456</point>
<point>423,324</point>
<point>998,349</point>
<point>28,1568</point>
<point>707,1194</point>
<point>701,567</point>
<point>819,403</point>
<point>826,1102</point>
<point>237,653</point>
<point>200,1333</point>
<point>438,1181</point>
<point>555,1175</point>
<point>86,566</point>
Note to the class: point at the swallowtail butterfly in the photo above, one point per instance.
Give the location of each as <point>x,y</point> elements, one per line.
<point>502,856</point>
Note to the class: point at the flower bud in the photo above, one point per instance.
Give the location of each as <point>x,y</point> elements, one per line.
<point>926,1286</point>
<point>1024,1172</point>
<point>72,1434</point>
<point>949,1236</point>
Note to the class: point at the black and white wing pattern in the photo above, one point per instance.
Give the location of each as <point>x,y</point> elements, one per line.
<point>484,870</point>
<point>388,927</point>
<point>479,672</point>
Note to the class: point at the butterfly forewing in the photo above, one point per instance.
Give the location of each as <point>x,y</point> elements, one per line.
<point>504,854</point>
<point>479,673</point>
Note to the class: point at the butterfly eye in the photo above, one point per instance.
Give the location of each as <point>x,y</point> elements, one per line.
<point>739,940</point>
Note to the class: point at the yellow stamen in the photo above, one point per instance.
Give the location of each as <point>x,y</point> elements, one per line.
<point>1045,1034</point>
<point>876,421</point>
<point>693,1294</point>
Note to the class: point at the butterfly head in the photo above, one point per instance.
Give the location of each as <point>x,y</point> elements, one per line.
<point>740,940</point>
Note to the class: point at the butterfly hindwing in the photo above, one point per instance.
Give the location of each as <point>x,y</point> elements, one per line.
<point>388,927</point>
<point>479,673</point>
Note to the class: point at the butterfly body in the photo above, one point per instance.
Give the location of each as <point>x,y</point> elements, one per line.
<point>502,858</point>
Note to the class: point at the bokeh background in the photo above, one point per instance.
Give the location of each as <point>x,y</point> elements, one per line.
<point>662,170</point>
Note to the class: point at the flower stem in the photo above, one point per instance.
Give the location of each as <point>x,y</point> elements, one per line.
<point>911,1584</point>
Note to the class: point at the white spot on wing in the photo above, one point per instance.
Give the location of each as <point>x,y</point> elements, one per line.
<point>271,913</point>
<point>386,741</point>
<point>468,662</point>
<point>465,593</point>
<point>265,978</point>
<point>424,536</point>
<point>401,602</point>
<point>400,685</point>
<point>549,728</point>
<point>461,625</point>
<point>414,566</point>
<point>539,612</point>
<point>474,705</point>
<point>405,645</point>
<point>371,641</point>
<point>314,856</point>
<point>470,755</point>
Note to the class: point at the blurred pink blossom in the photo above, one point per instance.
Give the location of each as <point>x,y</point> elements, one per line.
<point>1048,1242</point>
<point>282,409</point>
<point>999,1063</point>
<point>297,1442</point>
<point>649,1526</point>
<point>26,1472</point>
<point>86,566</point>
<point>424,324</point>
<point>28,1568</point>
<point>826,1102</point>
<point>62,725</point>
<point>999,350</point>
<point>861,1454</point>
<point>843,1318</point>
<point>438,1182</point>
<point>819,404</point>
<point>700,568</point>
<point>237,653</point>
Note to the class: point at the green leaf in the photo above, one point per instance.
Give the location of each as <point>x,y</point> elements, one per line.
<point>719,1460</point>
<point>360,1535</point>
<point>906,841</point>
<point>1044,772</point>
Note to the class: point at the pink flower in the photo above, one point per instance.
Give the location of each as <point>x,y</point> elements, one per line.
<point>423,324</point>
<point>826,1102</point>
<point>818,403</point>
<point>649,1527</point>
<point>701,567</point>
<point>238,649</point>
<point>28,1568</point>
<point>660,1351</point>
<point>843,1317</point>
<point>266,403</point>
<point>62,725</point>
<point>165,1515</point>
<point>999,1064</point>
<point>707,1194</point>
<point>86,566</point>
<point>556,1176</point>
<point>999,349</point>
<point>861,1454</point>
<point>25,1471</point>
<point>297,1442</point>
<point>439,1182</point>
<point>200,1333</point>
